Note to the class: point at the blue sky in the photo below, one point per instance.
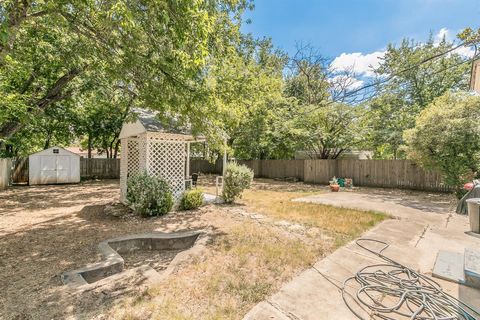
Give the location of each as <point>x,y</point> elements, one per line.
<point>358,29</point>
<point>357,25</point>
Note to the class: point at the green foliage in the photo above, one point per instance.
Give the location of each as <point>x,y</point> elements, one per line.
<point>237,178</point>
<point>246,87</point>
<point>149,196</point>
<point>419,84</point>
<point>100,114</point>
<point>326,132</point>
<point>71,52</point>
<point>309,82</point>
<point>265,133</point>
<point>446,137</point>
<point>191,199</point>
<point>414,86</point>
<point>386,117</point>
<point>317,122</point>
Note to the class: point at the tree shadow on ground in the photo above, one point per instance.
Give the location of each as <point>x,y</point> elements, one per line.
<point>26,198</point>
<point>34,257</point>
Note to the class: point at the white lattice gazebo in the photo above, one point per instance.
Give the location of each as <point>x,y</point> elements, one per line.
<point>147,146</point>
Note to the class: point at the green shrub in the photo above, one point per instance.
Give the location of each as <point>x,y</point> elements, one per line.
<point>446,138</point>
<point>149,196</point>
<point>237,178</point>
<point>191,199</point>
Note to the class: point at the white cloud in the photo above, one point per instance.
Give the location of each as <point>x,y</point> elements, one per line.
<point>443,33</point>
<point>361,64</point>
<point>467,52</point>
<point>364,64</point>
<point>345,81</point>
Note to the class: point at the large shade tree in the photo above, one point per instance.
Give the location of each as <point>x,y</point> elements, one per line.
<point>252,88</point>
<point>322,118</point>
<point>159,50</point>
<point>446,137</point>
<point>411,76</point>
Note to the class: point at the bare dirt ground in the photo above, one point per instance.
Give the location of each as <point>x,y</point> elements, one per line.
<point>46,230</point>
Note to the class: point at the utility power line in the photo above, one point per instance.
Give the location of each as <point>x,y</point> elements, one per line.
<point>416,65</point>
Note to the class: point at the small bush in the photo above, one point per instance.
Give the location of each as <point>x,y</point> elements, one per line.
<point>191,199</point>
<point>149,196</point>
<point>237,178</point>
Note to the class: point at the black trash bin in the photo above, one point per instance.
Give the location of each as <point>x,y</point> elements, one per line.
<point>194,179</point>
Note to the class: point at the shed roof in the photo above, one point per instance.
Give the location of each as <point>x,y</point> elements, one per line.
<point>148,121</point>
<point>49,151</point>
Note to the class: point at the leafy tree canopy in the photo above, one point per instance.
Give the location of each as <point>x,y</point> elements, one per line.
<point>414,81</point>
<point>446,137</point>
<point>160,50</point>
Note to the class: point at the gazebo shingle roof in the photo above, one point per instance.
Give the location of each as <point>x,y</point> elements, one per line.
<point>149,119</point>
<point>149,122</point>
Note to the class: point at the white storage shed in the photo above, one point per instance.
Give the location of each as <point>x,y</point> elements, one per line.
<point>53,166</point>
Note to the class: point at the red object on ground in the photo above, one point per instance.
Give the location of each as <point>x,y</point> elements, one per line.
<point>468,186</point>
<point>334,187</point>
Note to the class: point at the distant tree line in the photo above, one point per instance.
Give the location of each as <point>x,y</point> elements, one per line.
<point>73,70</point>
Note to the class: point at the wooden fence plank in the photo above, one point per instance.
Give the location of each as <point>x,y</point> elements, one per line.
<point>374,173</point>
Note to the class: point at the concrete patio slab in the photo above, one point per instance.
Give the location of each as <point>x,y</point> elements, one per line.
<point>449,266</point>
<point>417,232</point>
<point>472,267</point>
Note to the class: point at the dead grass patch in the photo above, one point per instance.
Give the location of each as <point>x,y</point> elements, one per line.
<point>344,223</point>
<point>251,260</point>
<point>243,267</point>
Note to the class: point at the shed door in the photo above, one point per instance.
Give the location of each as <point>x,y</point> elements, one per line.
<point>48,169</point>
<point>63,169</point>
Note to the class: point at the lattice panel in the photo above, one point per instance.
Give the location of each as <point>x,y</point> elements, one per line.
<point>142,154</point>
<point>167,159</point>
<point>134,157</point>
<point>123,168</point>
<point>132,154</point>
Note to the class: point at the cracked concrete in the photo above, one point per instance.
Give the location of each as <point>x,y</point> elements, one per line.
<point>418,230</point>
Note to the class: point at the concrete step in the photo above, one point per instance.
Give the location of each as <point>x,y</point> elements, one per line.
<point>449,266</point>
<point>463,268</point>
<point>472,267</point>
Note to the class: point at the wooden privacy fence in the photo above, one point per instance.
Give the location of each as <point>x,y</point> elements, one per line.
<point>5,168</point>
<point>99,168</point>
<point>20,170</point>
<point>372,173</point>
<point>89,169</point>
<point>404,174</point>
<point>261,168</point>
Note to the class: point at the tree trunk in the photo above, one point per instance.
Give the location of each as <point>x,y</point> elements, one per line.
<point>53,95</point>
<point>115,153</point>
<point>47,142</point>
<point>89,153</point>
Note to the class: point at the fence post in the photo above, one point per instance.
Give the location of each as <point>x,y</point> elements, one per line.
<point>5,171</point>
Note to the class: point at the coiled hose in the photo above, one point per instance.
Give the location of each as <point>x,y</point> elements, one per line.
<point>392,291</point>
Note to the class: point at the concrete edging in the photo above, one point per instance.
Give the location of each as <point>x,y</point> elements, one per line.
<point>113,263</point>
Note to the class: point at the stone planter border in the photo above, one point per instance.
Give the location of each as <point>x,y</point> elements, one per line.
<point>113,263</point>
